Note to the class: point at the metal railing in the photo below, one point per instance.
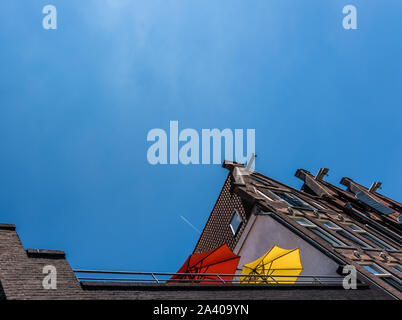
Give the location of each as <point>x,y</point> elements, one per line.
<point>165,277</point>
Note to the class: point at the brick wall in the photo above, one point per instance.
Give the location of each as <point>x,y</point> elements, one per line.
<point>21,271</point>
<point>217,229</point>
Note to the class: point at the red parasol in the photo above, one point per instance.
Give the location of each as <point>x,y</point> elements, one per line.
<point>220,260</point>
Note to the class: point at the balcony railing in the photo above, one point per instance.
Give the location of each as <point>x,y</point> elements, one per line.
<point>165,277</point>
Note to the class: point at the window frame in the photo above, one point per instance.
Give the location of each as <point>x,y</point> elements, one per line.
<point>349,236</point>
<point>306,223</point>
<point>305,205</point>
<point>394,282</point>
<point>385,276</point>
<point>373,266</point>
<point>370,237</point>
<point>397,267</point>
<point>234,215</point>
<point>335,242</point>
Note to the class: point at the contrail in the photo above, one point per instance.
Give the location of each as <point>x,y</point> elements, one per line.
<point>190,224</point>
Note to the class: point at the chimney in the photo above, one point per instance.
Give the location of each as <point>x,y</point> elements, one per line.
<point>374,187</point>
<point>321,173</point>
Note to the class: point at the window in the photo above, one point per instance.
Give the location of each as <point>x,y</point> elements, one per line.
<point>397,267</point>
<point>370,237</point>
<point>236,222</point>
<point>393,282</point>
<point>375,269</point>
<point>332,225</point>
<point>320,232</point>
<point>305,223</point>
<point>293,200</point>
<point>385,276</point>
<point>347,235</point>
<point>355,227</point>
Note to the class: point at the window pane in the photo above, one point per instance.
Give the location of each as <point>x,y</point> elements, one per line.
<point>235,223</point>
<point>305,223</point>
<point>327,237</point>
<point>293,200</point>
<point>377,241</point>
<point>372,238</point>
<point>319,232</point>
<point>353,239</point>
<point>397,268</point>
<point>331,225</point>
<point>374,269</point>
<point>355,227</point>
<point>393,282</point>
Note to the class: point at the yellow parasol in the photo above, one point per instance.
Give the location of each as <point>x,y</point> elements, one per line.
<point>276,261</point>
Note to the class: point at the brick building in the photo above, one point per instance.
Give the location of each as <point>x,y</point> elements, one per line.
<point>331,226</point>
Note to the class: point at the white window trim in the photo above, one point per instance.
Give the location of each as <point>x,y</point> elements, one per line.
<point>306,223</point>
<point>384,273</point>
<point>235,213</point>
<point>396,267</point>
<point>264,195</point>
<point>333,227</point>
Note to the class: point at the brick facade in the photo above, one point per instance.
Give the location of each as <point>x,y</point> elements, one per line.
<point>217,230</point>
<point>320,203</point>
<point>21,271</point>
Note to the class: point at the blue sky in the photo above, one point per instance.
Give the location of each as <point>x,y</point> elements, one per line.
<point>76,105</point>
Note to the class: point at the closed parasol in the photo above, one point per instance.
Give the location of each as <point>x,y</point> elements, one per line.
<point>198,266</point>
<point>276,262</point>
